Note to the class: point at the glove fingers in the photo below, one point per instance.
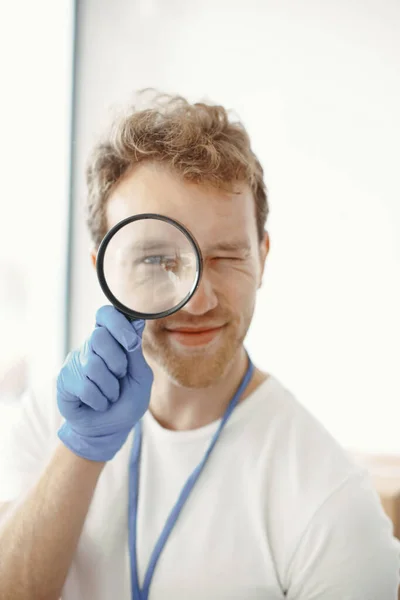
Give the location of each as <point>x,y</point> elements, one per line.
<point>97,372</point>
<point>104,345</point>
<point>138,368</point>
<point>72,406</point>
<point>118,325</point>
<point>93,397</point>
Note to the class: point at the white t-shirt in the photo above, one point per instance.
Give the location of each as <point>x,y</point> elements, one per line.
<point>280,511</point>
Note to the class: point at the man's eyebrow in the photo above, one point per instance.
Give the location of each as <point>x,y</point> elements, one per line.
<point>231,246</point>
<point>150,246</point>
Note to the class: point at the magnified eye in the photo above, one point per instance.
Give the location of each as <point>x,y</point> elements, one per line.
<point>167,262</point>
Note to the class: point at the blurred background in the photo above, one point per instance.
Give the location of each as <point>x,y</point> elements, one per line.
<point>318,87</point>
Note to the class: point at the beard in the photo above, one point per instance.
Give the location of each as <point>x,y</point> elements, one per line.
<point>198,367</point>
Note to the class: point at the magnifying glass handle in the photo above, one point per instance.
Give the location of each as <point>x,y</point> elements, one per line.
<point>130,318</point>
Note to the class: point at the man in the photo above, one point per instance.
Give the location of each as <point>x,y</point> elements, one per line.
<point>278,510</point>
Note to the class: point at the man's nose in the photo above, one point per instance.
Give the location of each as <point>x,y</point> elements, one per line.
<point>203,300</point>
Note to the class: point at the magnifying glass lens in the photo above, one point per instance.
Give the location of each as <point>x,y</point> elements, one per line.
<point>150,266</point>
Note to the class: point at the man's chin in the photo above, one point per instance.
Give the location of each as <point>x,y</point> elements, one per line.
<point>195,366</point>
<point>195,371</point>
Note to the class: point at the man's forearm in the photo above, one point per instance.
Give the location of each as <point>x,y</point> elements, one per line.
<point>39,540</point>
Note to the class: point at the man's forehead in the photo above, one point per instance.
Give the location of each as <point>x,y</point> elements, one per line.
<point>211,214</point>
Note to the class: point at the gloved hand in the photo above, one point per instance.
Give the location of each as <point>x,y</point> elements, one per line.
<point>103,388</point>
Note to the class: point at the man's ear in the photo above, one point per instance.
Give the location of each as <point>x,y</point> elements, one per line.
<point>264,250</point>
<point>93,256</point>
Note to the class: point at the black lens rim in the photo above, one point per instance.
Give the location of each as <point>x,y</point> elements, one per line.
<point>132,314</point>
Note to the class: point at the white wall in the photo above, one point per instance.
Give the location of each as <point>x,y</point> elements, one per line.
<point>36,41</point>
<point>318,86</point>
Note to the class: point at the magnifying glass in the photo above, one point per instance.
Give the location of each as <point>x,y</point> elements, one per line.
<point>148,266</point>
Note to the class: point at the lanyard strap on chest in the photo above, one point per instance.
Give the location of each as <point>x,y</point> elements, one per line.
<point>134,472</point>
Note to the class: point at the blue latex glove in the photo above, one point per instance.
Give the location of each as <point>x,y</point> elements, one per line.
<point>103,388</point>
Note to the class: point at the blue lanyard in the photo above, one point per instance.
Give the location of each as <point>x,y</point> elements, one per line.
<point>143,594</point>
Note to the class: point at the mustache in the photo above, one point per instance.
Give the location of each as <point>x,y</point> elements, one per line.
<point>206,321</point>
<point>194,327</point>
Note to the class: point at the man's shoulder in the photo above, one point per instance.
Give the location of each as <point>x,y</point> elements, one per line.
<point>299,467</point>
<point>298,450</point>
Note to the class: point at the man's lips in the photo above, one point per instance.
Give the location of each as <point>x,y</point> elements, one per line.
<point>194,336</point>
<point>194,329</point>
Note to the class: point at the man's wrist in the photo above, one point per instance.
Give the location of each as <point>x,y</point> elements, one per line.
<point>97,449</point>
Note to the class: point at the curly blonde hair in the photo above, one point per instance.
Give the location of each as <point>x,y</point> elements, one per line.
<point>198,141</point>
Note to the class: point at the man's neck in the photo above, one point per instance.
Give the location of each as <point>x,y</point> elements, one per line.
<point>180,408</point>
